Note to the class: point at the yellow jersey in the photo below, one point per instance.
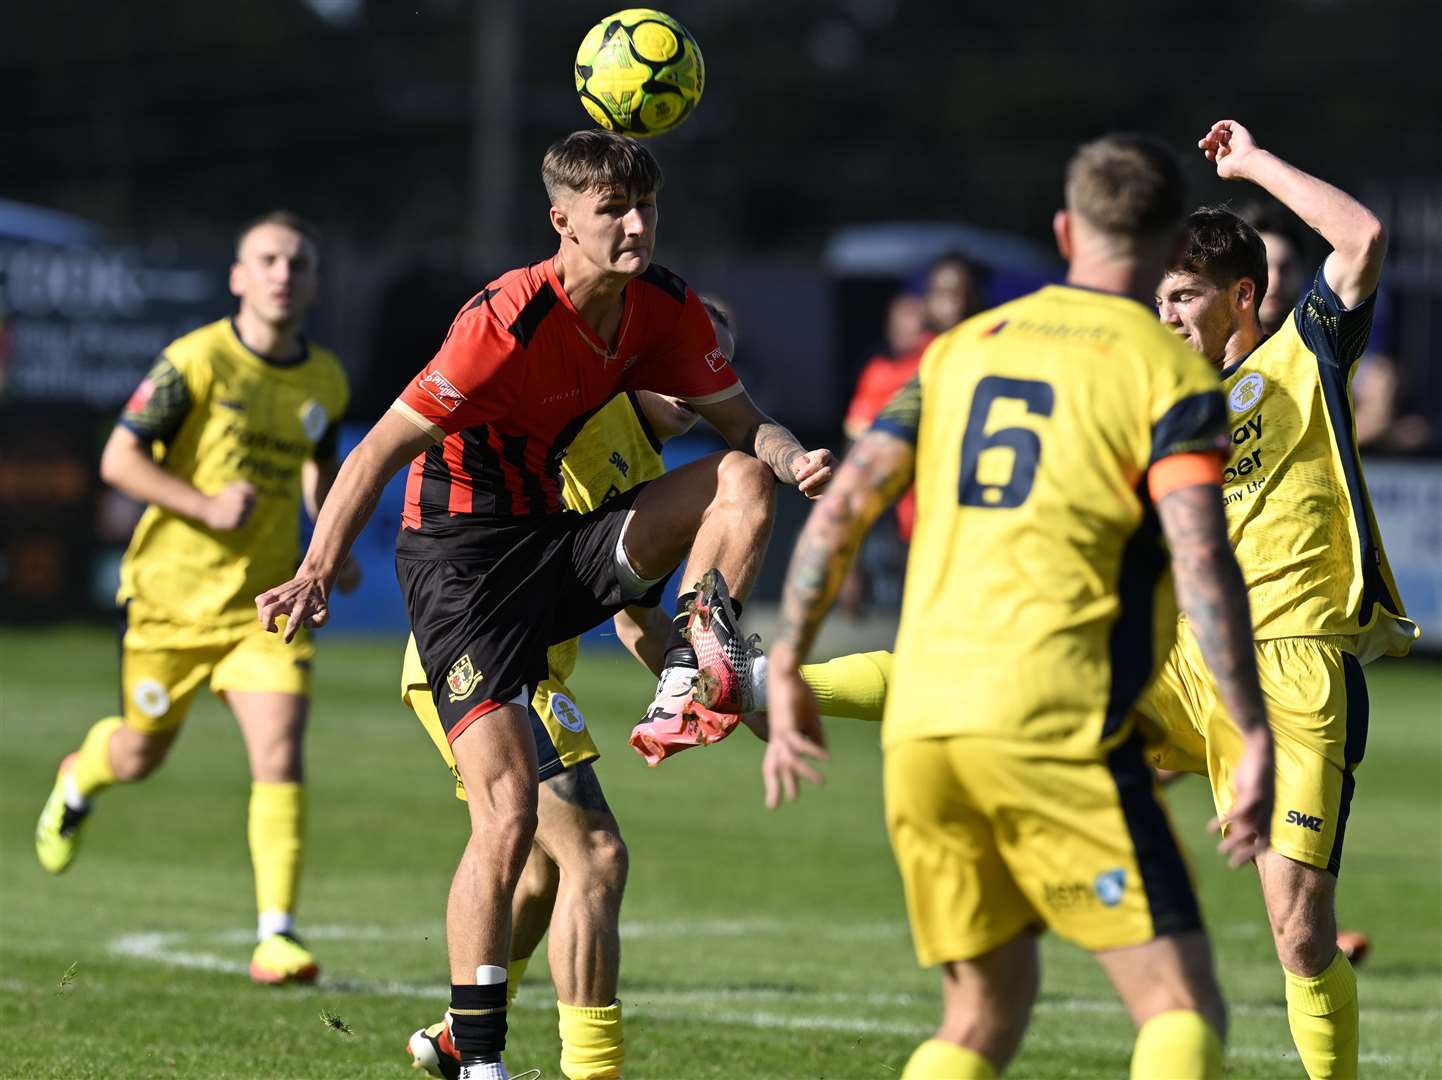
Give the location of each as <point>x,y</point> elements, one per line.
<point>1297,506</point>
<point>1038,600</point>
<point>216,413</point>
<point>615,451</point>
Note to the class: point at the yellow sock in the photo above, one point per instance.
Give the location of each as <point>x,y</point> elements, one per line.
<point>515,972</point>
<point>277,822</point>
<point>1322,1012</point>
<point>937,1059</point>
<point>1177,1045</point>
<point>593,1046</point>
<point>90,772</point>
<point>853,685</point>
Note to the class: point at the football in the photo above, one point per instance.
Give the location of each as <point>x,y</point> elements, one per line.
<point>639,72</point>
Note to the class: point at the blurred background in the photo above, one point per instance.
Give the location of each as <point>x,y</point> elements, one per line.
<point>841,149</point>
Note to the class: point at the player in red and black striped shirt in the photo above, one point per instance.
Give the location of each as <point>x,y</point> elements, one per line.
<point>493,568</point>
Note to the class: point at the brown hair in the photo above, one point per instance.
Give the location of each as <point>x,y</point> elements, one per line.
<point>1126,185</point>
<point>288,218</point>
<point>1223,248</point>
<point>586,161</point>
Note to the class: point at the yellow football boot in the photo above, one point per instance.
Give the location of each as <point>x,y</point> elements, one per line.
<point>280,958</point>
<point>57,833</point>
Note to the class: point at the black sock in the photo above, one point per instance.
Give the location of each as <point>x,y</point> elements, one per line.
<point>679,652</point>
<point>478,1022</point>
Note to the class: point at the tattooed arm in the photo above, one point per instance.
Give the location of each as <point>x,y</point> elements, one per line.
<point>745,427</point>
<point>1211,591</point>
<point>874,475</point>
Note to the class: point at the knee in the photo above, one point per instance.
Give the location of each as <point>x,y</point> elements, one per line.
<point>1304,948</point>
<point>610,862</point>
<point>505,834</point>
<point>137,756</point>
<point>601,866</point>
<point>278,762</point>
<point>747,481</point>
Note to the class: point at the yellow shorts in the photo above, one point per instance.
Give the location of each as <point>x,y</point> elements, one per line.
<point>991,842</point>
<point>1316,699</point>
<point>158,684</point>
<point>559,728</point>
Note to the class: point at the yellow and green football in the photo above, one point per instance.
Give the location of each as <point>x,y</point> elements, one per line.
<point>639,72</point>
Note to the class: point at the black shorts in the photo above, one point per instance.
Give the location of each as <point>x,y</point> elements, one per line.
<point>483,622</point>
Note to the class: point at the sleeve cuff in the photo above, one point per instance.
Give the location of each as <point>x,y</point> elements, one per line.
<point>720,395</point>
<point>436,433</point>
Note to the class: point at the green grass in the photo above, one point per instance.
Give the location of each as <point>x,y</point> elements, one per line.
<point>757,945</point>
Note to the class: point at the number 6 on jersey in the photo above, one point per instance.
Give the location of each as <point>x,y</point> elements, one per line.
<point>1024,443</point>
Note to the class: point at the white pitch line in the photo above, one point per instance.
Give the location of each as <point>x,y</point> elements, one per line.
<point>661,1005</point>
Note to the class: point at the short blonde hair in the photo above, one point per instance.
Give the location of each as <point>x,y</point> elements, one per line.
<point>589,161</point>
<point>287,218</point>
<point>1126,185</point>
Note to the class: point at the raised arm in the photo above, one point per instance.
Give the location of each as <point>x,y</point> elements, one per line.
<point>1211,591</point>
<point>745,427</point>
<point>1357,238</point>
<point>874,475</point>
<point>352,499</point>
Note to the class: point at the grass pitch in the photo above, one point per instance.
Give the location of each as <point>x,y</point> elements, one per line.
<point>755,945</point>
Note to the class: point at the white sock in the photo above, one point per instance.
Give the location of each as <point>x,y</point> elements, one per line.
<point>490,1070</point>
<point>759,666</point>
<point>274,922</point>
<point>73,798</point>
<point>675,671</point>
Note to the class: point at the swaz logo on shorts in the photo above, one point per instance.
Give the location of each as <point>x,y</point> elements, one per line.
<point>440,388</point>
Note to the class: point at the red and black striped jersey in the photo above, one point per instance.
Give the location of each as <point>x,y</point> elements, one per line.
<point>517,377</point>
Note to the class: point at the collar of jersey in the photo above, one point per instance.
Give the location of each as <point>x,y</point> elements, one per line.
<point>587,332</point>
<point>270,361</point>
<point>1102,292</point>
<point>1228,370</point>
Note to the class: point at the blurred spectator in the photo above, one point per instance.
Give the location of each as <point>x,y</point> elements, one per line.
<point>953,293</point>
<point>1287,269</point>
<point>1374,401</point>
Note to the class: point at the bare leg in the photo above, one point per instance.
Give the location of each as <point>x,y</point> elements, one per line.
<point>273,727</point>
<point>720,508</point>
<point>579,833</point>
<point>987,1000</point>
<point>535,897</point>
<point>496,757</point>
<point>1169,973</point>
<point>134,755</point>
<point>1302,908</point>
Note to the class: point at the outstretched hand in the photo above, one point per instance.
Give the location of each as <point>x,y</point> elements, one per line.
<point>1228,145</point>
<point>302,600</point>
<point>795,735</point>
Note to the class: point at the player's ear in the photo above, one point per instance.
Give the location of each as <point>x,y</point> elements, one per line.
<point>1061,229</point>
<point>236,287</point>
<point>1244,294</point>
<point>561,222</point>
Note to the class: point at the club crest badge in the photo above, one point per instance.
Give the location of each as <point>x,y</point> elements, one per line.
<point>313,420</point>
<point>1111,886</point>
<point>151,698</point>
<point>567,714</point>
<point>463,679</point>
<point>1246,392</point>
